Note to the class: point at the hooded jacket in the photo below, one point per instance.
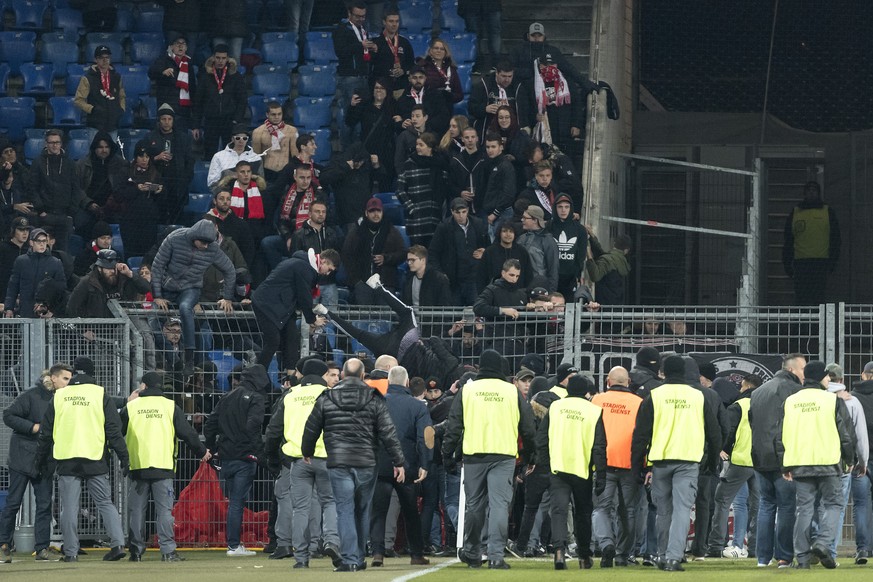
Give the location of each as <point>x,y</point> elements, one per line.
<point>486,92</point>
<point>25,412</point>
<point>54,185</point>
<point>355,420</point>
<point>351,188</point>
<point>572,239</point>
<point>287,289</point>
<point>499,189</point>
<point>210,104</point>
<point>609,271</point>
<point>235,422</point>
<point>179,265</point>
<point>564,176</point>
<point>492,263</point>
<point>643,381</point>
<point>863,391</point>
<point>766,406</point>
<point>97,177</point>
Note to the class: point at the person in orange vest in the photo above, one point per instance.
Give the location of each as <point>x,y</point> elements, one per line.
<point>379,376</point>
<point>620,406</point>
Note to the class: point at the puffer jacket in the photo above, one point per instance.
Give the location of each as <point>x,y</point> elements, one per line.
<point>235,423</point>
<point>21,416</point>
<point>229,104</point>
<point>766,406</point>
<point>179,265</point>
<point>355,420</point>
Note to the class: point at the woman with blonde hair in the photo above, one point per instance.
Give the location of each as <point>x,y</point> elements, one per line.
<point>441,74</point>
<point>451,142</point>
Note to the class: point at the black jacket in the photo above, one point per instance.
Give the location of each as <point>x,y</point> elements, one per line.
<point>105,112</point>
<point>863,391</point>
<point>9,251</point>
<point>349,52</point>
<point>382,62</point>
<point>355,420</point>
<point>437,108</point>
<point>91,299</point>
<point>351,188</point>
<point>21,416</point>
<point>181,428</point>
<point>525,53</point>
<point>210,104</point>
<point>435,289</point>
<point>643,381</point>
<point>287,289</point>
<point>485,92</point>
<point>414,431</point>
<point>166,90</point>
<point>713,403</point>
<point>572,239</point>
<point>98,177</point>
<point>464,172</point>
<point>54,185</point>
<point>451,249</point>
<point>78,466</point>
<point>362,243</point>
<point>499,294</point>
<point>235,422</point>
<point>492,264</point>
<point>232,226</point>
<point>28,271</point>
<point>734,415</point>
<point>598,449</point>
<point>500,189</point>
<point>184,15</point>
<point>768,400</point>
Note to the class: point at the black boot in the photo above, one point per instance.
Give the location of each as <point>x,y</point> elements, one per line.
<point>560,559</point>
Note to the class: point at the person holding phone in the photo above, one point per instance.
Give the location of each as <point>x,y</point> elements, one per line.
<point>134,203</point>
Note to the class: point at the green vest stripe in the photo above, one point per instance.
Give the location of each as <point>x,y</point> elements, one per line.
<point>572,422</point>
<point>78,431</point>
<point>298,406</point>
<point>678,431</point>
<point>151,437</point>
<point>809,429</point>
<point>490,417</point>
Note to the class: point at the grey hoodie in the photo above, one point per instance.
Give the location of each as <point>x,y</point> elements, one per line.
<point>179,265</point>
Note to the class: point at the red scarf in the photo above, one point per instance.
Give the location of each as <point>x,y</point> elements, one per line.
<point>248,202</point>
<point>104,80</point>
<point>182,80</point>
<point>220,82</point>
<point>551,75</point>
<point>302,208</point>
<point>273,130</point>
<point>394,46</point>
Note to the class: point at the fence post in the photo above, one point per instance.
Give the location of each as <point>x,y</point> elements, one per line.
<point>571,322</point>
<point>841,335</point>
<point>828,347</point>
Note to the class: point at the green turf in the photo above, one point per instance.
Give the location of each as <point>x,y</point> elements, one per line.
<point>214,566</point>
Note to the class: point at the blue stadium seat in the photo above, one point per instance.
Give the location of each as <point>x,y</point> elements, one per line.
<point>312,112</point>
<point>150,105</point>
<point>117,244</point>
<point>38,80</point>
<point>136,80</point>
<point>465,76</point>
<point>460,108</point>
<point>64,113</point>
<point>126,19</point>
<point>114,47</point>
<point>74,73</point>
<point>17,48</point>
<point>4,78</point>
<point>151,20</point>
<point>463,47</point>
<point>322,140</point>
<point>316,81</point>
<point>394,214</point>
<point>419,43</point>
<point>271,68</point>
<point>134,263</point>
<point>126,119</point>
<point>280,52</point>
<point>76,246</point>
<point>146,47</point>
<point>60,54</point>
<point>319,48</point>
<point>198,205</point>
<point>29,14</point>
<point>86,133</point>
<point>106,38</point>
<point>272,84</point>
<point>403,235</point>
<point>258,109</point>
<point>68,20</point>
<point>34,133</point>
<point>16,113</point>
<point>33,147</point>
<point>416,17</point>
<point>78,148</point>
<point>450,20</point>
<point>58,35</point>
<point>198,180</point>
<point>267,37</point>
<point>129,138</point>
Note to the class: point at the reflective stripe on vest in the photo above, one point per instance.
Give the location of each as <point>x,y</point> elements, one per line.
<point>742,453</point>
<point>809,429</point>
<point>78,431</point>
<point>677,431</point>
<point>298,406</point>
<point>490,417</point>
<point>151,437</point>
<point>619,418</point>
<point>571,435</point>
<point>559,390</point>
<point>812,233</point>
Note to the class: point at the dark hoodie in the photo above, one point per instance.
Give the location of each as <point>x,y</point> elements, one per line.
<point>572,239</point>
<point>98,176</point>
<point>643,380</point>
<point>351,188</point>
<point>355,420</point>
<point>863,391</point>
<point>235,422</point>
<point>714,404</point>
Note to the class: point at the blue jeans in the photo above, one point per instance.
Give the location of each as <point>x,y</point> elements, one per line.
<point>42,489</point>
<point>238,478</point>
<point>345,89</point>
<point>741,516</point>
<point>452,497</point>
<point>775,518</point>
<point>353,491</point>
<point>186,299</point>
<point>860,488</point>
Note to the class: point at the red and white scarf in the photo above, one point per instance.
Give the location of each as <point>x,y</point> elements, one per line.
<point>394,45</point>
<point>363,38</point>
<point>220,82</point>
<point>182,79</point>
<point>556,80</point>
<point>315,263</point>
<point>302,207</point>
<point>545,198</point>
<point>417,96</point>
<point>276,134</point>
<point>106,83</point>
<point>249,199</point>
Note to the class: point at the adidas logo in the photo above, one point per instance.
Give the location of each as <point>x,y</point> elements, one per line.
<point>565,244</point>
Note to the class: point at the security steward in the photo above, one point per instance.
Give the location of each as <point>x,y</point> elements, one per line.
<point>572,437</point>
<point>674,426</point>
<point>617,506</point>
<point>487,417</point>
<point>79,423</point>
<point>815,447</point>
<point>283,440</point>
<point>151,423</point>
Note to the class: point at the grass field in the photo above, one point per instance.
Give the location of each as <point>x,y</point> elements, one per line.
<point>214,566</point>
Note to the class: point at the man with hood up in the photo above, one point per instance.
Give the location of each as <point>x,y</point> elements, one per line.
<point>177,275</point>
<point>487,417</point>
<point>354,420</point>
<point>572,239</point>
<point>233,433</point>
<point>350,176</point>
<point>373,246</point>
<point>97,174</point>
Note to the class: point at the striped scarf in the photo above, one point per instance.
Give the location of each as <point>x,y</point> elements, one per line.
<point>248,201</point>
<point>182,80</point>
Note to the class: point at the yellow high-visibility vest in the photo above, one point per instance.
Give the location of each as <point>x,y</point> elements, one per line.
<point>571,435</point>
<point>151,437</point>
<point>809,429</point>
<point>812,233</point>
<point>78,431</point>
<point>678,430</point>
<point>490,417</point>
<point>298,406</point>
<point>742,453</point>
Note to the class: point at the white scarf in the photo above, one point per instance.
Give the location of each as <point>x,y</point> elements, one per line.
<point>562,97</point>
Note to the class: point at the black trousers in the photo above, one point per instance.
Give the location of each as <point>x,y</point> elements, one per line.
<point>408,499</point>
<point>381,344</point>
<point>564,487</point>
<point>703,508</point>
<point>535,486</point>
<point>810,281</point>
<point>287,337</point>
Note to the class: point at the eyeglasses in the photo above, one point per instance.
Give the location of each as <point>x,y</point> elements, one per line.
<point>527,217</point>
<point>241,137</point>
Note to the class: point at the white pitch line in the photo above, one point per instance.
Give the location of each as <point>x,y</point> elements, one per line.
<point>437,568</point>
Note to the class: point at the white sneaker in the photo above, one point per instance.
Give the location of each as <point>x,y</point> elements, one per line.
<point>374,281</point>
<point>240,550</point>
<point>735,553</point>
<point>319,309</point>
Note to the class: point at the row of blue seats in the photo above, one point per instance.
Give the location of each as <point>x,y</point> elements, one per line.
<point>30,15</point>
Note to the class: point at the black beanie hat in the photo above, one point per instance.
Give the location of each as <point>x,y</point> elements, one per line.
<point>815,370</point>
<point>101,228</point>
<point>707,370</point>
<point>83,365</point>
<point>493,365</point>
<point>565,370</point>
<point>649,358</point>
<point>153,379</point>
<point>674,366</point>
<point>579,386</point>
<point>314,367</point>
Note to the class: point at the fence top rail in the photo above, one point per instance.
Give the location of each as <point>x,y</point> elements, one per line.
<point>688,164</point>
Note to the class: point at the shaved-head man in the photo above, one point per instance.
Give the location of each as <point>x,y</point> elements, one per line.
<point>614,524</point>
<point>379,376</point>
